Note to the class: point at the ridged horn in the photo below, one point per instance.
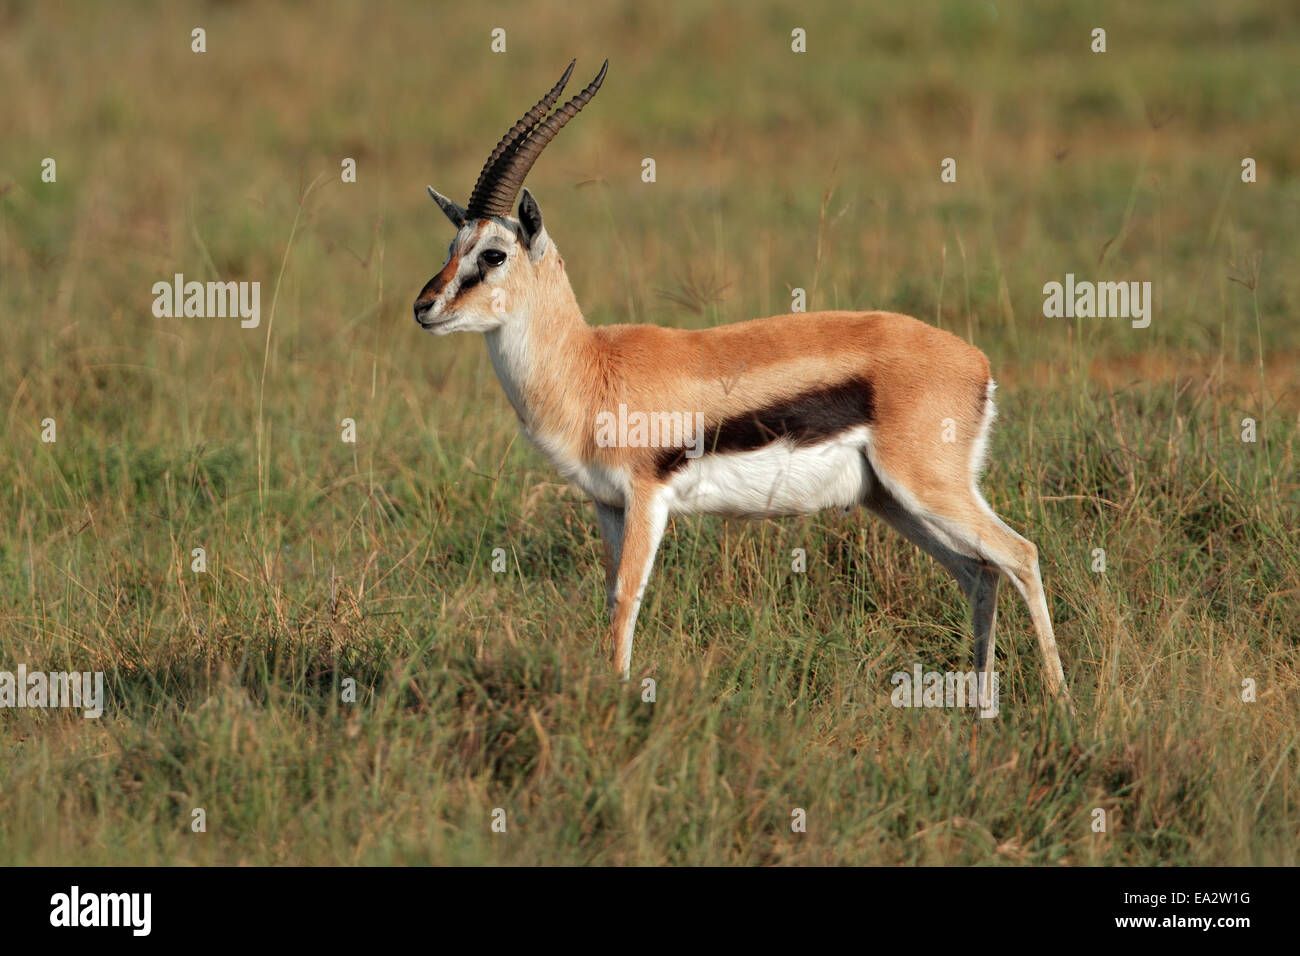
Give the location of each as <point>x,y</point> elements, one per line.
<point>503,174</point>
<point>515,133</point>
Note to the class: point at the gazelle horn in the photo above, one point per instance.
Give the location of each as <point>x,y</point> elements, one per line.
<point>503,174</point>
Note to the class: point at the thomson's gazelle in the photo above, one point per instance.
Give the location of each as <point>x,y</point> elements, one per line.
<point>800,412</point>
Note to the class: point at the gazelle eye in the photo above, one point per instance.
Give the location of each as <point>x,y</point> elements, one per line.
<point>493,257</point>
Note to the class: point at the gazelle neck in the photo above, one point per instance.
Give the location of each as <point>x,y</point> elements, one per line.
<point>540,356</point>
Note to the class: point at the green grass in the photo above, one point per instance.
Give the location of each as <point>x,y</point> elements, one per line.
<point>373,562</point>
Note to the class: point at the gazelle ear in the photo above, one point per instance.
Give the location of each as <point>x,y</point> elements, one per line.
<point>452,210</point>
<point>530,222</point>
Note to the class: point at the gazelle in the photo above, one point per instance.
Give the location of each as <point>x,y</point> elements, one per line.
<point>800,412</point>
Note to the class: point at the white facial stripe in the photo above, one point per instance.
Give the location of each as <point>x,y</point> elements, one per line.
<point>469,244</point>
<point>488,235</point>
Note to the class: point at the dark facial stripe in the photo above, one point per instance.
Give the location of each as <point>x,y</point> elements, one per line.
<point>471,280</point>
<point>433,288</point>
<point>815,416</point>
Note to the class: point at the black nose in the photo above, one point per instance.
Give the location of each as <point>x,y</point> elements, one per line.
<point>421,310</point>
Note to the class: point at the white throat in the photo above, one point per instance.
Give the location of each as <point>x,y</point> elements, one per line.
<point>509,349</point>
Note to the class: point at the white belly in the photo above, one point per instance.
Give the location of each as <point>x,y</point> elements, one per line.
<point>777,479</point>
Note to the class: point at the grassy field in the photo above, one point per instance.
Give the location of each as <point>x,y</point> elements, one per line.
<point>372,561</point>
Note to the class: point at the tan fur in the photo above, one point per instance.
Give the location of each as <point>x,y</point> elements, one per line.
<point>922,376</point>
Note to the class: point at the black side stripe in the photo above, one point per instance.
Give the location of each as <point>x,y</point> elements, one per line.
<point>807,419</point>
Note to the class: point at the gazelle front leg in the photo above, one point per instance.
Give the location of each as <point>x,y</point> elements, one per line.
<point>644,520</point>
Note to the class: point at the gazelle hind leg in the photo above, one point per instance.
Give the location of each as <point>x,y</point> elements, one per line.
<point>1023,570</point>
<point>977,580</point>
<point>960,525</point>
<point>610,521</point>
<point>984,534</point>
<point>983,596</point>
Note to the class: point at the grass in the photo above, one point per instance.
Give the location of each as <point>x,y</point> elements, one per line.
<point>373,562</point>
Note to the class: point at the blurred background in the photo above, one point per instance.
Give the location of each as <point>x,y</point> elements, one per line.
<point>774,170</point>
<point>172,161</point>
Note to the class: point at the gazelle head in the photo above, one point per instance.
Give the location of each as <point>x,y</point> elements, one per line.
<point>493,264</point>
